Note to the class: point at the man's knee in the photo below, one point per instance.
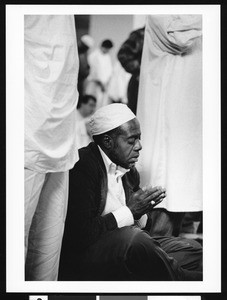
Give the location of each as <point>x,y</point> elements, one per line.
<point>129,241</point>
<point>146,260</point>
<point>142,244</point>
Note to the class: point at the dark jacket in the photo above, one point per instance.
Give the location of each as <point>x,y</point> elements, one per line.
<point>87,198</point>
<point>130,52</point>
<point>130,55</point>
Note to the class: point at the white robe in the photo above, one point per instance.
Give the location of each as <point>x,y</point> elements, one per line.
<point>51,67</point>
<point>118,86</point>
<point>170,109</point>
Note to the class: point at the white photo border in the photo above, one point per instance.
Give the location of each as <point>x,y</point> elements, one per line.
<point>15,152</point>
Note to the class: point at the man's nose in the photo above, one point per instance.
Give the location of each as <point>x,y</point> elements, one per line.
<point>138,145</point>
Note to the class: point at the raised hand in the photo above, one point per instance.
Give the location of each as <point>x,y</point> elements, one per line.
<point>145,199</point>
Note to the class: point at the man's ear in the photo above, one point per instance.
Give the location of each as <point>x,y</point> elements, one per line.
<point>107,141</point>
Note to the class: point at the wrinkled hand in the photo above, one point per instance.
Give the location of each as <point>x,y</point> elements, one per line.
<point>145,199</point>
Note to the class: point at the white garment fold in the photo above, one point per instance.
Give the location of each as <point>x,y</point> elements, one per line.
<point>51,69</point>
<point>170,109</point>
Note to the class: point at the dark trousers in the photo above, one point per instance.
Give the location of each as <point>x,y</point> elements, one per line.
<point>130,253</point>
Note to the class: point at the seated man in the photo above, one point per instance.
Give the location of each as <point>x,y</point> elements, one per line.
<point>107,226</point>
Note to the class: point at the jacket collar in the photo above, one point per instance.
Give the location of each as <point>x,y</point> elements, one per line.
<point>112,168</point>
<point>103,176</point>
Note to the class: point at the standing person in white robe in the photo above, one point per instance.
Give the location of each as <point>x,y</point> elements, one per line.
<point>118,85</point>
<point>170,114</point>
<point>100,73</point>
<point>51,70</point>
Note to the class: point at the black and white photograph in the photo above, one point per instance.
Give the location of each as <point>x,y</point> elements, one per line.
<point>118,131</point>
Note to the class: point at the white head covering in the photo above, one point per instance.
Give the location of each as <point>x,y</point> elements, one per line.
<point>87,40</point>
<point>109,117</point>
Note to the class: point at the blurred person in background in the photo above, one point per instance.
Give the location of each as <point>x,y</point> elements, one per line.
<point>85,108</point>
<point>51,70</point>
<point>170,113</point>
<point>85,44</point>
<point>129,55</point>
<point>100,72</point>
<point>117,90</point>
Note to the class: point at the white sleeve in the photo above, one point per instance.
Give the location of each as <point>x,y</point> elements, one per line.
<point>123,216</point>
<point>174,34</point>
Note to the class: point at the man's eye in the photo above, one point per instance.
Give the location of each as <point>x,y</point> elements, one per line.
<point>131,141</point>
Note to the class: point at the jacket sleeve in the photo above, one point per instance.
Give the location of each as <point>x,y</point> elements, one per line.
<point>83,217</point>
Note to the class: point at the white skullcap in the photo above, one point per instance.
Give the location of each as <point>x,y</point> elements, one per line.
<point>87,40</point>
<point>109,117</point>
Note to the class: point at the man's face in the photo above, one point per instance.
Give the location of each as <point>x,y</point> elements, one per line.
<point>127,145</point>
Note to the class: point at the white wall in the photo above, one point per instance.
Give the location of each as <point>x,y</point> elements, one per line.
<point>139,21</point>
<point>114,27</point>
